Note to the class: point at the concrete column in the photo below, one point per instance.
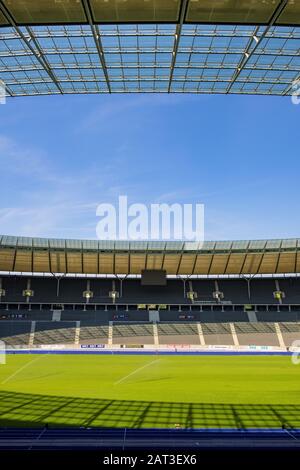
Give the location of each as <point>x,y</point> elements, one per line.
<point>200,333</point>
<point>234,335</point>
<point>31,336</point>
<point>279,335</point>
<point>77,333</point>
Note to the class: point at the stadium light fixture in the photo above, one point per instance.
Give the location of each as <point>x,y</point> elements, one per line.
<point>152,307</point>
<point>142,307</point>
<point>278,295</point>
<point>192,295</point>
<point>28,293</point>
<point>248,307</point>
<point>88,294</point>
<point>162,307</point>
<point>113,294</point>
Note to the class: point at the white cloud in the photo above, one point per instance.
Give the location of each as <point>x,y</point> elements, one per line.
<point>39,199</point>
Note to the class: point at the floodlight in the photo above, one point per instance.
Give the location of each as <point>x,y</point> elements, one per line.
<point>88,294</point>
<point>218,295</point>
<point>278,295</point>
<point>191,295</point>
<point>113,294</point>
<point>28,293</point>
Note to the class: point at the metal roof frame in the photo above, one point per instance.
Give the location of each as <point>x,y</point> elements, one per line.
<point>36,52</point>
<point>97,39</point>
<point>250,50</point>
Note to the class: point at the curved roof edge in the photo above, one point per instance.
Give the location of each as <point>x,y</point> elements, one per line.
<point>36,243</point>
<point>248,257</point>
<point>28,12</point>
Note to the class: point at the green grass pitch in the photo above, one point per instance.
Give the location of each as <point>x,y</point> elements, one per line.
<point>149,391</point>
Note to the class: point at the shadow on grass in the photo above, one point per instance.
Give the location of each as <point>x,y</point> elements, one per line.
<point>26,410</point>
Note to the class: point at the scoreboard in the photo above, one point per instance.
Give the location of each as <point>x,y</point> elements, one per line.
<point>154,277</point>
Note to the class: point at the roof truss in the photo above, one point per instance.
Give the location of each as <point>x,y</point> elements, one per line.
<point>186,47</point>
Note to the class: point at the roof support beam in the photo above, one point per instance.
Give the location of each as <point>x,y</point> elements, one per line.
<point>249,52</point>
<point>227,261</point>
<point>293,88</point>
<point>210,264</point>
<point>36,52</point>
<point>243,264</point>
<point>40,54</point>
<point>195,262</point>
<point>97,39</point>
<point>66,261</point>
<point>179,263</point>
<point>6,87</point>
<point>277,262</point>
<point>183,10</point>
<point>49,260</point>
<point>15,259</point>
<point>261,262</point>
<point>32,259</point>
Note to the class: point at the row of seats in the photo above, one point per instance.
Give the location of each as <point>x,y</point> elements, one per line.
<point>45,333</point>
<point>206,316</point>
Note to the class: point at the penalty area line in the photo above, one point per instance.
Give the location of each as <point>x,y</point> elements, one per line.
<point>19,370</point>
<point>136,371</point>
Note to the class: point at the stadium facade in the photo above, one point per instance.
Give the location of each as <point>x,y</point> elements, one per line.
<point>252,257</point>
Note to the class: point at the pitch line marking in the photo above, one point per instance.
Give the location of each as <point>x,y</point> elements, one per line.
<point>19,370</point>
<point>135,371</point>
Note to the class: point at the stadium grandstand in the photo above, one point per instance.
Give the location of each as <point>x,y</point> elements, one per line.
<point>61,298</point>
<point>237,294</point>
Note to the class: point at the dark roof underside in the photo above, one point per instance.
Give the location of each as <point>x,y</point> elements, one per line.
<point>161,46</point>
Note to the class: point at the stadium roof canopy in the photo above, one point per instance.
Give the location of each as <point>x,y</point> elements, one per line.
<point>24,254</point>
<point>198,46</point>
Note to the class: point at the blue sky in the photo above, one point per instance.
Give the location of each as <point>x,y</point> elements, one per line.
<point>63,155</point>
